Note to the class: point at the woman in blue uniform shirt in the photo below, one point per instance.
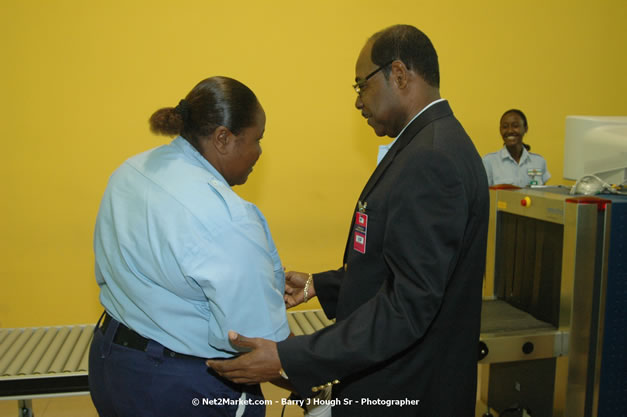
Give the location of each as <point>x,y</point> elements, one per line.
<point>514,164</point>
<point>181,259</point>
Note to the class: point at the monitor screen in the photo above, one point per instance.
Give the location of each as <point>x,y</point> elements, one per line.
<point>596,145</point>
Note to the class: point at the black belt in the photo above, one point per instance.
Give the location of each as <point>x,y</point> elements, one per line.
<point>131,339</point>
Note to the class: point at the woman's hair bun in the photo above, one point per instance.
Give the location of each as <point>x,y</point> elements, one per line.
<point>166,121</point>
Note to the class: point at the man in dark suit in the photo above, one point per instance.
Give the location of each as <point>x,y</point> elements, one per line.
<point>407,300</point>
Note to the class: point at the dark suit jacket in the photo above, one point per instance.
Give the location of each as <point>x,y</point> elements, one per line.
<point>408,309</point>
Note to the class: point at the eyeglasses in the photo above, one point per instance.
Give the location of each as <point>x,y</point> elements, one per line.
<point>361,84</point>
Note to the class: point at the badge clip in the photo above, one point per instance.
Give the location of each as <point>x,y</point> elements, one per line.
<point>362,206</point>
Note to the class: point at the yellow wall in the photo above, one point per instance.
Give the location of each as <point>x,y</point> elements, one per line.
<point>79,79</point>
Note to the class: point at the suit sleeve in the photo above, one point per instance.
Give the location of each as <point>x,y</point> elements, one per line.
<point>424,234</point>
<point>327,285</point>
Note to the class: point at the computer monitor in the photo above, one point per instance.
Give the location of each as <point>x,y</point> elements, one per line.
<point>596,145</point>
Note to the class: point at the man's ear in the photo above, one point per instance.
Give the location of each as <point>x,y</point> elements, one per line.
<point>399,73</point>
<point>221,139</point>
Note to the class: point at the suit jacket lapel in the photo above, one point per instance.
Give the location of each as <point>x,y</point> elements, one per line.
<point>434,112</point>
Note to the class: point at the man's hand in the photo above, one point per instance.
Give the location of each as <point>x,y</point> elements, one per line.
<point>261,364</point>
<point>294,285</point>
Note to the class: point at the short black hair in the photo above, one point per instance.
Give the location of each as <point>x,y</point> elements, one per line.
<point>410,45</point>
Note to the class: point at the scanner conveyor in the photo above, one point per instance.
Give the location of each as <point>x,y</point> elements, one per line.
<point>556,339</point>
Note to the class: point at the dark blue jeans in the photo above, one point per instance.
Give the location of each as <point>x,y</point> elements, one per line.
<point>126,382</point>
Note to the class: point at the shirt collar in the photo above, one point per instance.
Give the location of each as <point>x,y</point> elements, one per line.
<point>419,113</point>
<point>383,149</point>
<point>504,154</point>
<point>193,153</point>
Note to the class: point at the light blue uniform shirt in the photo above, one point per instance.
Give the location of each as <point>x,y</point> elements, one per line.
<point>503,169</point>
<point>182,259</point>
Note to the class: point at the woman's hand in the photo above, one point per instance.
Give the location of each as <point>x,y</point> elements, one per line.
<point>294,288</point>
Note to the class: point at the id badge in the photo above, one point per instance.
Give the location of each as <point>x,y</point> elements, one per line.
<point>360,232</point>
<point>533,173</point>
